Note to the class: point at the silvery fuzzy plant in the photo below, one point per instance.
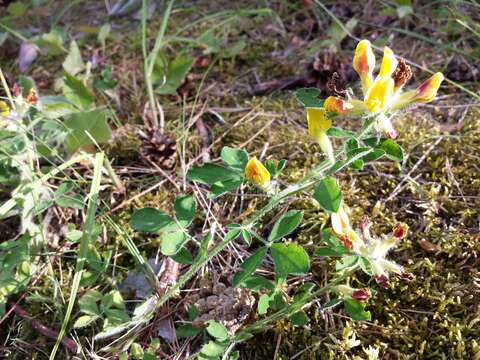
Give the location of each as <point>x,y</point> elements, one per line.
<point>355,247</point>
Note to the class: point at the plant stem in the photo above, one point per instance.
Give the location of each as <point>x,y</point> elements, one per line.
<point>115,179</point>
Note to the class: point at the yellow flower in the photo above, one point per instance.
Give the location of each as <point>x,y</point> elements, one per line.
<point>364,62</point>
<point>318,125</point>
<point>384,94</point>
<point>379,96</point>
<point>4,109</point>
<point>257,173</point>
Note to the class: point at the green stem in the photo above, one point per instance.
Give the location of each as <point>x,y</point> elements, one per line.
<point>261,325</point>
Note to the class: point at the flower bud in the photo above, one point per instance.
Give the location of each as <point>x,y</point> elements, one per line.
<point>400,231</point>
<point>361,294</point>
<point>407,276</point>
<point>384,124</point>
<point>32,97</point>
<point>340,222</point>
<point>427,91</point>
<point>337,105</point>
<point>382,281</point>
<point>257,173</point>
<point>364,63</point>
<point>357,294</point>
<point>4,109</point>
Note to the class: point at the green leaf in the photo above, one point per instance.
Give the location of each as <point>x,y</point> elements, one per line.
<point>392,150</point>
<point>113,300</point>
<point>176,71</point>
<point>328,194</point>
<point>217,330</point>
<point>115,317</point>
<point>356,310</point>
<point>77,93</point>
<point>188,330</point>
<point>223,187</point>
<point>289,259</point>
<point>234,49</point>
<point>249,266</point>
<point>286,224</point>
<point>325,251</point>
<point>75,201</point>
<point>88,302</point>
<point>172,242</point>
<point>309,97</point>
<point>85,320</point>
<point>17,8</point>
<point>357,164</point>
<point>235,158</point>
<point>211,173</point>
<point>346,262</point>
<point>73,63</point>
<point>183,256</point>
<point>332,303</point>
<point>213,349</point>
<point>257,283</point>
<point>150,220</point>
<point>374,155</point>
<point>185,207</point>
<point>84,126</point>
<point>365,266</point>
<point>193,312</point>
<point>337,132</point>
<point>330,239</point>
<point>263,304</point>
<point>299,318</point>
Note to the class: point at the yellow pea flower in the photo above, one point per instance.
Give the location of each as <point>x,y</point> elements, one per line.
<point>4,109</point>
<point>379,96</point>
<point>318,125</point>
<point>364,63</point>
<point>257,173</point>
<point>427,91</point>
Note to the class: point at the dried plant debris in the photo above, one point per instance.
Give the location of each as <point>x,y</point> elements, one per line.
<point>216,301</point>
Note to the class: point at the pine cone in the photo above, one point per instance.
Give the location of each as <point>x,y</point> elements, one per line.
<point>322,70</point>
<point>159,148</point>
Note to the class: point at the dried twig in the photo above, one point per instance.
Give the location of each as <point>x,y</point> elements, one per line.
<point>44,330</point>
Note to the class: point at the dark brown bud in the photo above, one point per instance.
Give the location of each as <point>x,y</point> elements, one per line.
<point>402,73</point>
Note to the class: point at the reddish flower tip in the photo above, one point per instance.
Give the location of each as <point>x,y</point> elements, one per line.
<point>382,281</point>
<point>361,294</point>
<point>393,134</point>
<point>407,276</point>
<point>400,231</point>
<point>346,242</point>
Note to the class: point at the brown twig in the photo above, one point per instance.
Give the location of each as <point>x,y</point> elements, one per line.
<point>45,331</point>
